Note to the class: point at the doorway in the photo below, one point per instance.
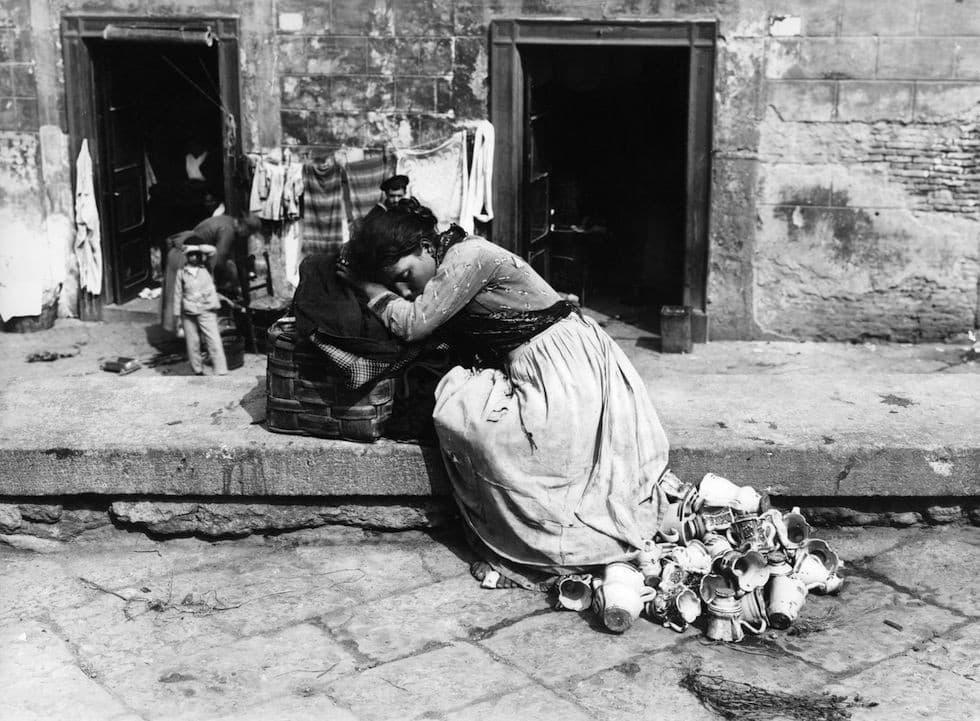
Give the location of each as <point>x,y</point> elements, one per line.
<point>158,104</point>
<point>605,128</point>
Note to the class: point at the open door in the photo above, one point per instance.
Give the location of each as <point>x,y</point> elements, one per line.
<point>124,192</point>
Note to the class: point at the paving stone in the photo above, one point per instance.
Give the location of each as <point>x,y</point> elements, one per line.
<point>936,565</point>
<point>228,679</point>
<point>42,681</point>
<point>33,584</point>
<point>902,689</point>
<point>853,629</point>
<point>562,645</point>
<point>854,543</point>
<point>955,652</point>
<point>454,609</point>
<point>430,683</point>
<point>652,681</point>
<point>369,572</point>
<point>269,590</point>
<point>534,702</point>
<point>302,708</point>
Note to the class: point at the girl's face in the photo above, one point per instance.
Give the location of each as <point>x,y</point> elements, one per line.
<point>408,276</point>
<point>195,258</point>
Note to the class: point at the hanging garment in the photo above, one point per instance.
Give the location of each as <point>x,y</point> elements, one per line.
<point>291,242</point>
<point>193,165</point>
<point>437,177</point>
<point>477,203</point>
<point>270,207</point>
<point>292,192</point>
<point>364,181</point>
<point>88,237</point>
<point>260,187</point>
<point>323,209</point>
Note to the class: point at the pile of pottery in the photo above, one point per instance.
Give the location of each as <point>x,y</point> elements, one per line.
<point>721,553</point>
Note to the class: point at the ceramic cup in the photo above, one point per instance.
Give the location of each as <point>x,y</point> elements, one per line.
<point>785,597</point>
<point>754,619</point>
<point>716,544</point>
<point>574,593</point>
<point>621,595</point>
<point>749,570</point>
<point>717,491</point>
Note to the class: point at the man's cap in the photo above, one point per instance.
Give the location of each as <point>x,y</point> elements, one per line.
<point>395,182</point>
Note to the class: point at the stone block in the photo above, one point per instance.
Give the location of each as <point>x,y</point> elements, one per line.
<point>558,646</point>
<point>469,82</point>
<point>915,58</point>
<point>6,81</point>
<point>305,92</point>
<point>877,17</point>
<point>382,57</point>
<point>795,184</point>
<point>867,101</point>
<point>316,14</point>
<point>852,630</point>
<point>801,100</point>
<point>41,512</point>
<point>444,96</point>
<point>363,17</point>
<point>533,702</point>
<point>430,684</point>
<point>415,94</point>
<point>23,80</point>
<point>821,58</point>
<point>653,680</point>
<point>357,94</point>
<point>940,18</point>
<point>326,55</point>
<point>929,567</point>
<point>819,17</point>
<point>453,610</point>
<point>295,127</point>
<point>944,514</point>
<point>471,18</point>
<point>427,128</point>
<point>423,17</point>
<point>905,688</point>
<point>938,101</point>
<point>10,518</point>
<point>967,59</point>
<point>739,90</point>
<point>421,56</point>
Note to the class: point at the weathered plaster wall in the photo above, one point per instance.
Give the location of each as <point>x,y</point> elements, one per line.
<point>845,181</point>
<point>869,173</point>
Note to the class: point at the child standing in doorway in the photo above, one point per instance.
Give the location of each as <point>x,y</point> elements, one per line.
<point>195,302</point>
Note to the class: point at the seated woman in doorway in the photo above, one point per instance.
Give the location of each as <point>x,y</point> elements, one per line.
<point>551,443</point>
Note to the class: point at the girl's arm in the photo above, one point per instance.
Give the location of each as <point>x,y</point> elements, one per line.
<point>464,272</point>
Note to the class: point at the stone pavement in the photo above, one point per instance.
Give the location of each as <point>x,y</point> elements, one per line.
<point>796,419</point>
<point>339,623</point>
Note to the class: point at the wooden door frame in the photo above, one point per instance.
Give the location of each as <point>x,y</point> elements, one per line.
<point>81,103</point>
<point>509,36</point>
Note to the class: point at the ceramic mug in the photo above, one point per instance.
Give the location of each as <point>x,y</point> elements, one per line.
<point>574,593</point>
<point>716,544</point>
<point>717,491</point>
<point>754,619</point>
<point>785,597</point>
<point>749,570</point>
<point>620,597</point>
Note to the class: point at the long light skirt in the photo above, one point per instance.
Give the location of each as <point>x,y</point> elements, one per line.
<point>555,464</point>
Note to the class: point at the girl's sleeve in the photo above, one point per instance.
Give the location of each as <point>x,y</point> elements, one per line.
<point>464,272</point>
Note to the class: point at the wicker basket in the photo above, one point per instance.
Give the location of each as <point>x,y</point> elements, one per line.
<point>304,397</point>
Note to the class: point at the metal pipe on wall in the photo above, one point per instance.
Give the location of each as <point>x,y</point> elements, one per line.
<point>135,33</point>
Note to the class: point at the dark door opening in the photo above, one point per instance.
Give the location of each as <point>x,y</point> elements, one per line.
<point>606,148</point>
<point>604,157</point>
<point>158,112</point>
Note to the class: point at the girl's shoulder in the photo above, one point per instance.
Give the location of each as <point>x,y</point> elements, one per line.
<point>475,246</point>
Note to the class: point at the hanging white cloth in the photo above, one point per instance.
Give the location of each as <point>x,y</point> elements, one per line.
<point>437,177</point>
<point>477,203</point>
<point>88,237</point>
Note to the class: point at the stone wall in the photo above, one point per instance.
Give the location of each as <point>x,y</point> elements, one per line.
<point>845,189</point>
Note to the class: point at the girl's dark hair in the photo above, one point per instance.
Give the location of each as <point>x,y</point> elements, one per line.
<point>379,240</point>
